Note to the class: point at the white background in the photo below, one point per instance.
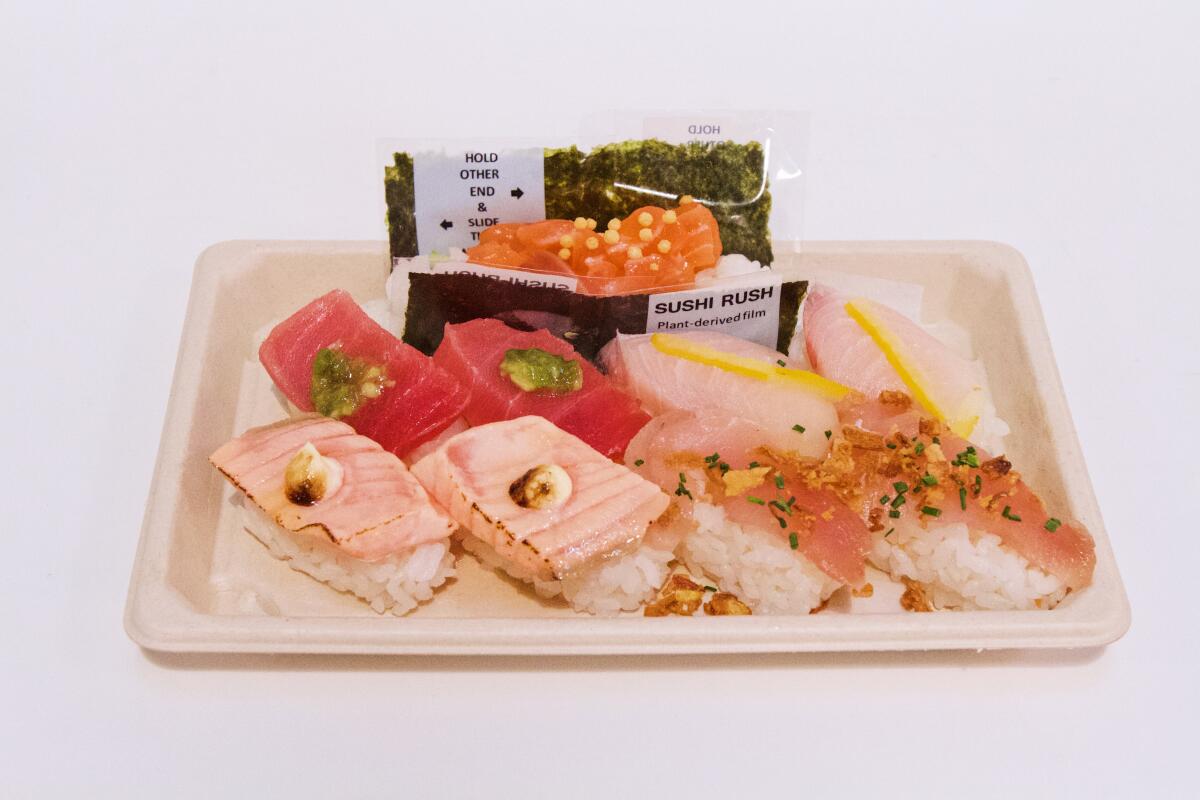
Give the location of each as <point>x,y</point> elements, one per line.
<point>133,137</point>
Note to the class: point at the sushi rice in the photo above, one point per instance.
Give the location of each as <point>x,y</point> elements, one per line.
<point>964,569</point>
<point>756,565</point>
<point>396,584</point>
<point>619,584</point>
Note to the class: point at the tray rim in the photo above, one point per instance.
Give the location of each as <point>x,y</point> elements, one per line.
<point>157,619</point>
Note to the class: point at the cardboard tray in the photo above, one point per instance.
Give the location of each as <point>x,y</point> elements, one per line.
<point>201,583</point>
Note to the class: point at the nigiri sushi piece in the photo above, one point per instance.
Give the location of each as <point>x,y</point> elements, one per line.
<point>517,373</point>
<point>960,527</point>
<point>331,357</point>
<point>759,528</point>
<point>711,371</point>
<point>335,505</point>
<point>544,507</point>
<point>872,348</point>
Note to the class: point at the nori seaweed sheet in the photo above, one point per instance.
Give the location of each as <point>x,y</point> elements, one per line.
<point>789,312</point>
<point>727,173</point>
<point>578,183</point>
<point>401,206</point>
<point>587,322</point>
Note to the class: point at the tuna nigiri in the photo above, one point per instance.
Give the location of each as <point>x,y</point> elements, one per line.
<point>759,529</point>
<point>546,508</point>
<point>706,370</point>
<point>332,358</point>
<point>338,507</point>
<point>512,374</point>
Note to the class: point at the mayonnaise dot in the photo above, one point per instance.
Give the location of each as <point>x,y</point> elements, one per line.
<point>686,199</point>
<point>591,223</point>
<point>645,234</point>
<point>612,237</point>
<point>614,224</point>
<point>566,241</point>
<point>664,246</point>
<point>592,243</point>
<point>645,219</point>
<point>669,216</point>
<point>565,254</point>
<point>634,252</point>
<point>580,223</point>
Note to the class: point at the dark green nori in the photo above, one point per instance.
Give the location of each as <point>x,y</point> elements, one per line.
<point>586,322</point>
<point>401,206</point>
<point>727,175</point>
<point>789,312</point>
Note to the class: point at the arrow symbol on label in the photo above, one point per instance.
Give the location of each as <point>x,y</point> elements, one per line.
<point>447,224</point>
<point>517,193</point>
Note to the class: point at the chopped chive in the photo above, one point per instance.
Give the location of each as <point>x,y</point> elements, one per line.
<point>793,540</point>
<point>891,445</point>
<point>1007,514</point>
<point>931,511</point>
<point>899,501</point>
<point>936,440</point>
<point>900,486</point>
<point>928,480</point>
<point>890,531</point>
<point>708,588</point>
<point>978,485</point>
<point>779,481</point>
<point>713,459</point>
<point>638,463</point>
<point>723,467</point>
<point>681,490</point>
<point>962,497</point>
<point>883,501</point>
<point>781,362</point>
<point>920,448</point>
<point>758,501</point>
<point>782,522</point>
<point>781,507</point>
<point>798,428</point>
<point>828,434</point>
<point>1052,524</point>
<point>791,502</point>
<point>753,464</point>
<point>682,478</point>
<point>894,513</point>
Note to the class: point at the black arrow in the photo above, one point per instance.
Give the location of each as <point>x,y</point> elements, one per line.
<point>447,224</point>
<point>517,193</point>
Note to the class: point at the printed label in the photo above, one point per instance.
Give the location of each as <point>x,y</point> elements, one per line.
<point>460,193</point>
<point>699,128</point>
<point>748,310</point>
<point>513,276</point>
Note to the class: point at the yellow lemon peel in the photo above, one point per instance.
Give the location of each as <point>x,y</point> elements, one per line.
<point>681,347</point>
<point>910,373</point>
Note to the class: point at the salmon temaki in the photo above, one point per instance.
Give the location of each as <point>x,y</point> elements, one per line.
<point>330,357</point>
<point>515,373</point>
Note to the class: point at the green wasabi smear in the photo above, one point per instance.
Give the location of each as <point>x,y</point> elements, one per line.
<point>341,384</point>
<point>535,370</point>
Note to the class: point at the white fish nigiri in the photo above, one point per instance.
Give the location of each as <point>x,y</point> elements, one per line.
<point>727,374</point>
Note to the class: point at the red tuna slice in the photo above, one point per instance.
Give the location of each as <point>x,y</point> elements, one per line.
<point>598,413</point>
<point>419,401</point>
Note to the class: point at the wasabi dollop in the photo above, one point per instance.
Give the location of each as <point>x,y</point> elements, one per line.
<point>535,370</point>
<point>340,383</point>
